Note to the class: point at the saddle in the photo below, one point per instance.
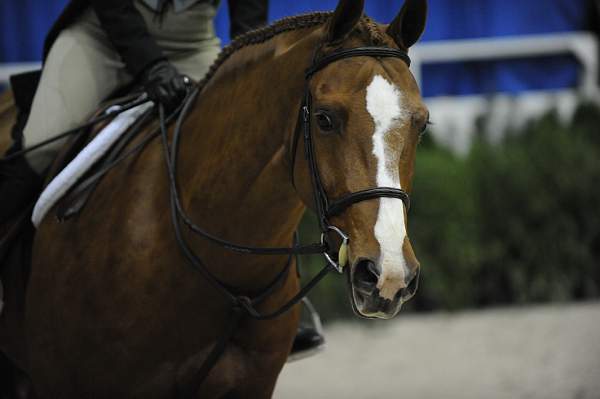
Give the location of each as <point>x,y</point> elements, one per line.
<point>16,236</point>
<point>24,86</point>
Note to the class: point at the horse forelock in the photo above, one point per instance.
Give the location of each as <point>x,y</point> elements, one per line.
<point>371,32</point>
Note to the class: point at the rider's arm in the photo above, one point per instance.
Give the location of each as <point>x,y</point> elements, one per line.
<point>129,34</point>
<point>246,15</point>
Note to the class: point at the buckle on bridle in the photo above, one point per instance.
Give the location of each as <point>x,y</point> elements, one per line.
<point>305,114</point>
<point>342,256</point>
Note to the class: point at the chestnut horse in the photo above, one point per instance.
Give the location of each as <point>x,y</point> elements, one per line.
<point>112,309</point>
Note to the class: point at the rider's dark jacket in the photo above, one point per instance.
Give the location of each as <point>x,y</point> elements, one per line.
<point>127,30</point>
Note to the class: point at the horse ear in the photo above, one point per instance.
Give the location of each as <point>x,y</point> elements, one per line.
<point>408,26</point>
<point>345,17</point>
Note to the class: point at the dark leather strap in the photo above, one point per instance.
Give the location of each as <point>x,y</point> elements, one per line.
<point>91,123</point>
<point>381,52</point>
<point>339,205</point>
<point>319,193</point>
<point>189,388</point>
<point>294,146</point>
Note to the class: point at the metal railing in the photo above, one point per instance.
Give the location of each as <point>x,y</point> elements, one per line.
<point>582,45</point>
<point>455,116</point>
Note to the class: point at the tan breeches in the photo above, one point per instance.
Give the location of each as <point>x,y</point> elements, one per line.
<point>83,68</point>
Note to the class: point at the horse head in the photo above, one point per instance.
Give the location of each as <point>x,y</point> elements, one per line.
<point>366,119</point>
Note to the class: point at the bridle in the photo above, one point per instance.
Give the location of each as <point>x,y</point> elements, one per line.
<point>325,208</point>
<point>243,305</point>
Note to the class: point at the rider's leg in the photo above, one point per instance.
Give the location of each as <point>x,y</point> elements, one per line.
<point>81,70</point>
<point>309,338</point>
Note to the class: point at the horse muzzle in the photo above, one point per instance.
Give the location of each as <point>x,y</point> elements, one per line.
<point>365,296</point>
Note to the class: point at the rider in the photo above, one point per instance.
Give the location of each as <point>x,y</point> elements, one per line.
<point>97,46</point>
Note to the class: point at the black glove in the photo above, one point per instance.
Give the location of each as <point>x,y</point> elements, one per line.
<point>164,84</point>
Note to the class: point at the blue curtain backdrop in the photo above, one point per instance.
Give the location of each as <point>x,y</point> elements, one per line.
<point>23,24</point>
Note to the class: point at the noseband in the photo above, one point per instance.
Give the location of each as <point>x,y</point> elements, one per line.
<point>323,206</point>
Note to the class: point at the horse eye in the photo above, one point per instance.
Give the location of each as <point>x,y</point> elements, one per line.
<point>324,121</point>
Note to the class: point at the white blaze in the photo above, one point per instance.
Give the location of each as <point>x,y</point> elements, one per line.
<point>384,103</point>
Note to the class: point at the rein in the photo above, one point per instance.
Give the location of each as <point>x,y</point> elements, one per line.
<point>107,114</point>
<point>243,305</point>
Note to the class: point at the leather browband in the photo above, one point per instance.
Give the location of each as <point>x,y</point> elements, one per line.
<point>357,52</point>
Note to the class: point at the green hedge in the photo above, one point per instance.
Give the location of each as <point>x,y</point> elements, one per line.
<point>512,222</point>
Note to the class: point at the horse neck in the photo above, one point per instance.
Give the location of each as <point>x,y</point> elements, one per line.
<point>234,159</point>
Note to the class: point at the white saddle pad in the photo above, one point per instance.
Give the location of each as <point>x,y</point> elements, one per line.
<point>85,160</point>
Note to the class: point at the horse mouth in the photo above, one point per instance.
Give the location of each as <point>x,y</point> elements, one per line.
<point>365,299</point>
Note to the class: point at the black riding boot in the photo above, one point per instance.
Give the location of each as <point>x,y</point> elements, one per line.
<point>19,184</point>
<point>308,340</point>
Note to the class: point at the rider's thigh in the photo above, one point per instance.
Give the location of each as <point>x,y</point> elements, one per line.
<point>81,70</point>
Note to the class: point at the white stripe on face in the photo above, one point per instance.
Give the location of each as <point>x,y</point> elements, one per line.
<point>384,103</point>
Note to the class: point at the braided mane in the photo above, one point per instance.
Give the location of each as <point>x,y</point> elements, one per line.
<point>261,35</point>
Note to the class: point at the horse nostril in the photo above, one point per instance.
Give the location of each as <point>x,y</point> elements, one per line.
<point>366,276</point>
<point>412,284</point>
<point>373,270</point>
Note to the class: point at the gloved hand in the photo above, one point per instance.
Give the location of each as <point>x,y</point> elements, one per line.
<point>164,84</point>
